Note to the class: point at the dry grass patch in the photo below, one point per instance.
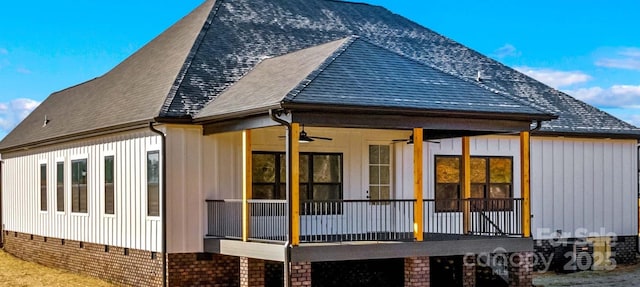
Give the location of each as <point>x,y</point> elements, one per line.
<point>16,272</point>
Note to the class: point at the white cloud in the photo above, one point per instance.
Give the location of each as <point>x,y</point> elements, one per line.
<point>555,78</point>
<point>23,70</point>
<point>616,96</point>
<point>626,58</point>
<point>507,50</point>
<point>11,113</point>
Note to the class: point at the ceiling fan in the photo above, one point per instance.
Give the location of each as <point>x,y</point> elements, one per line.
<point>305,138</point>
<point>410,140</point>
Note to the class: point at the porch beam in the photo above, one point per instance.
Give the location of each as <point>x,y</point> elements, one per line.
<point>525,182</point>
<point>294,161</point>
<point>246,183</point>
<point>418,175</point>
<point>466,184</point>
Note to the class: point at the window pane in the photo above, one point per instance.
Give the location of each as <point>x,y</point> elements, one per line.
<point>384,175</point>
<point>43,187</point>
<point>374,154</point>
<point>283,168</point>
<point>79,185</point>
<point>264,168</point>
<point>500,169</point>
<point>60,186</point>
<point>477,191</point>
<point>500,191</point>
<point>478,170</point>
<point>304,168</point>
<point>447,169</point>
<point>385,154</point>
<point>326,168</point>
<point>379,192</point>
<point>374,174</point>
<point>446,197</point>
<point>109,196</point>
<point>326,192</point>
<point>153,183</point>
<point>264,192</point>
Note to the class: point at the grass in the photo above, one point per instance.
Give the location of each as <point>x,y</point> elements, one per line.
<point>16,272</point>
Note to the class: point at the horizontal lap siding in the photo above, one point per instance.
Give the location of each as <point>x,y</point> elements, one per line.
<point>129,227</point>
<point>583,185</point>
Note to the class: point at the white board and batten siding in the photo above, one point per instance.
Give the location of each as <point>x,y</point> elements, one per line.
<point>129,227</point>
<point>583,186</point>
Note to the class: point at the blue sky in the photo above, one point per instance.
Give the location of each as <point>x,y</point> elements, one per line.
<point>589,48</point>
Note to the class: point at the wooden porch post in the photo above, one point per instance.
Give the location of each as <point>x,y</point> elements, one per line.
<point>466,184</point>
<point>525,182</point>
<point>295,184</point>
<point>418,175</point>
<point>246,183</point>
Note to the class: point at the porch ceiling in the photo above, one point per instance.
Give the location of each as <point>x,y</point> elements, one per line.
<point>436,126</point>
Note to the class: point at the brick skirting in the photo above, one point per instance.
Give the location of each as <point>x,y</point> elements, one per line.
<point>123,266</point>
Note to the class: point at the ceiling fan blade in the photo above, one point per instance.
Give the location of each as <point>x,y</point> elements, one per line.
<point>322,138</point>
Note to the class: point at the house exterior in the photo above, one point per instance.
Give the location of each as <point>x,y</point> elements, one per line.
<point>273,142</point>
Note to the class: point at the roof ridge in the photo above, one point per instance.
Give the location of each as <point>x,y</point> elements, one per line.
<point>313,75</point>
<point>192,53</point>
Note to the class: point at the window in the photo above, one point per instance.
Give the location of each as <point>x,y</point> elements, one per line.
<point>379,172</point>
<point>153,183</point>
<point>60,186</point>
<point>43,187</point>
<point>79,186</point>
<point>109,196</point>
<point>320,176</point>
<point>269,175</point>
<point>491,178</point>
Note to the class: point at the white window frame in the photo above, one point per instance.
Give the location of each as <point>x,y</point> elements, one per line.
<point>102,178</point>
<point>145,208</point>
<point>69,180</point>
<point>40,163</point>
<point>65,184</point>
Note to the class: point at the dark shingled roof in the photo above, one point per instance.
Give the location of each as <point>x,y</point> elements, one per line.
<point>189,65</point>
<point>355,73</point>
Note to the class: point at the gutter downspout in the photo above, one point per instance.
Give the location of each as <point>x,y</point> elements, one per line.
<point>163,177</point>
<point>638,193</point>
<point>538,126</point>
<point>287,245</point>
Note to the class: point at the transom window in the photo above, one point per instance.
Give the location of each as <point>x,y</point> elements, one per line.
<point>320,176</point>
<point>79,186</point>
<point>491,178</point>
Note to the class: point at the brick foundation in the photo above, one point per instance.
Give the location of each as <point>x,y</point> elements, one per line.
<point>300,274</point>
<point>521,270</point>
<point>138,268</point>
<point>123,266</point>
<point>469,271</point>
<point>624,249</point>
<point>252,272</point>
<point>203,269</point>
<point>416,272</point>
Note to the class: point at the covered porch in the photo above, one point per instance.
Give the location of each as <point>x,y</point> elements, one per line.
<point>297,205</point>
